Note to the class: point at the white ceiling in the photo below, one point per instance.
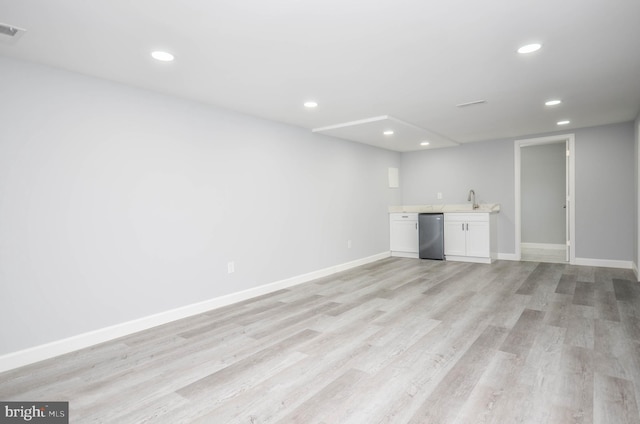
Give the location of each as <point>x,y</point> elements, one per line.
<point>409,61</point>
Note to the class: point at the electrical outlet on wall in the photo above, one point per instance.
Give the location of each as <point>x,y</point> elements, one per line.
<point>439,196</point>
<point>348,244</point>
<point>231,267</point>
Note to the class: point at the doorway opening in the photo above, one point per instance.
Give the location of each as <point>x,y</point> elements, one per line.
<point>545,215</point>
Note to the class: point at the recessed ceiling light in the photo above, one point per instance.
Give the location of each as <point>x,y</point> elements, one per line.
<point>529,48</point>
<point>565,122</point>
<point>424,143</point>
<point>162,56</point>
<point>552,102</point>
<point>388,132</point>
<point>310,104</point>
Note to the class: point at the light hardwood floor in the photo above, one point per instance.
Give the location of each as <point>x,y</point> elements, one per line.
<point>533,254</point>
<point>396,341</point>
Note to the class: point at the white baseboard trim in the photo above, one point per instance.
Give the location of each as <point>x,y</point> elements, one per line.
<point>468,259</point>
<point>405,255</point>
<point>634,267</point>
<point>59,347</point>
<point>508,257</point>
<point>549,246</point>
<point>606,263</point>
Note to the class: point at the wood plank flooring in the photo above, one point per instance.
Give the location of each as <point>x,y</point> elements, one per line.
<point>536,254</point>
<point>395,341</point>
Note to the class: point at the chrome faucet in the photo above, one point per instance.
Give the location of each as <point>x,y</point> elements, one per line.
<point>472,195</point>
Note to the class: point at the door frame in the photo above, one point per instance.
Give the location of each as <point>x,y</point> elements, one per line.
<point>570,180</point>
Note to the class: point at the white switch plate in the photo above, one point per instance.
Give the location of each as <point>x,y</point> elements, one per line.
<point>231,267</point>
<point>439,196</point>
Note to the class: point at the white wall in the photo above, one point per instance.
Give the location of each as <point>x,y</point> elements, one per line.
<point>543,192</point>
<point>604,198</point>
<point>117,203</point>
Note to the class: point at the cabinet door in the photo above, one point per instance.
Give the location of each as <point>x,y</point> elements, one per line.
<point>404,236</point>
<point>478,239</point>
<point>455,238</point>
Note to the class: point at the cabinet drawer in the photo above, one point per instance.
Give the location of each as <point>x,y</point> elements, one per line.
<point>466,217</point>
<point>404,216</point>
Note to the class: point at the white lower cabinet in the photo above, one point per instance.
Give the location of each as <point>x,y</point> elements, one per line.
<point>404,234</point>
<point>469,237</point>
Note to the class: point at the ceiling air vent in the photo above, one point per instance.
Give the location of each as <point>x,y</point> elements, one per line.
<point>10,32</point>
<point>475,102</point>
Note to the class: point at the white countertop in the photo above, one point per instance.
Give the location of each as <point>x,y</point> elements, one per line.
<point>484,208</point>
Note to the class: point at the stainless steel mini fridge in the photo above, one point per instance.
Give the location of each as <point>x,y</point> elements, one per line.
<point>431,235</point>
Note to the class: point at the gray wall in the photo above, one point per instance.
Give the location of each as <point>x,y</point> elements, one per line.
<point>543,192</point>
<point>636,256</point>
<point>487,167</point>
<point>605,208</point>
<point>117,203</point>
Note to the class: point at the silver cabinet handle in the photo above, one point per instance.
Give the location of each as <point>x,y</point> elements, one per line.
<point>467,226</point>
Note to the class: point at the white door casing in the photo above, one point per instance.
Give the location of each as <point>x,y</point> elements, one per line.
<point>569,140</point>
